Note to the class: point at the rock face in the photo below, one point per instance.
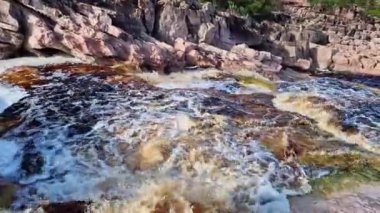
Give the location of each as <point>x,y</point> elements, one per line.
<point>11,38</point>
<point>172,24</point>
<point>342,40</point>
<point>142,34</point>
<point>145,34</point>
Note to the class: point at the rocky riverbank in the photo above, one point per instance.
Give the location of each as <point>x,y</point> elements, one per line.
<point>341,40</point>
<point>168,36</point>
<point>239,131</point>
<point>162,36</point>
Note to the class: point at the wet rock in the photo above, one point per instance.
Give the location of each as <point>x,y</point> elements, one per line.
<point>362,198</point>
<point>78,129</point>
<point>25,77</point>
<point>32,162</point>
<point>7,124</point>
<point>8,192</point>
<point>74,207</point>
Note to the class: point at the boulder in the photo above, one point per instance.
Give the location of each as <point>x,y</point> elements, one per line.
<point>207,32</point>
<point>11,38</point>
<point>322,56</point>
<point>171,24</point>
<point>317,36</point>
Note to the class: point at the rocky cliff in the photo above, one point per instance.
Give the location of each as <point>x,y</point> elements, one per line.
<point>313,38</point>
<point>167,36</point>
<point>161,36</point>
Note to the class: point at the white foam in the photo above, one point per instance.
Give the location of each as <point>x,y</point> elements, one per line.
<point>9,161</point>
<point>270,200</point>
<point>199,79</point>
<point>203,149</point>
<point>10,95</point>
<point>35,61</point>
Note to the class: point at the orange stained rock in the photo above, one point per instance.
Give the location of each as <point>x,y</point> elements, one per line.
<point>22,76</point>
<point>78,69</point>
<point>8,123</point>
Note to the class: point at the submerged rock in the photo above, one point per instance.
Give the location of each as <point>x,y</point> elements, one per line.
<point>8,192</point>
<point>74,207</point>
<point>344,109</point>
<point>32,163</point>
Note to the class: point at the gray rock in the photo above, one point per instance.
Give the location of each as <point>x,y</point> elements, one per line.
<point>317,37</point>
<point>171,24</point>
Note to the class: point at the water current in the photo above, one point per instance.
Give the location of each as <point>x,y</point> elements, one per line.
<point>199,141</point>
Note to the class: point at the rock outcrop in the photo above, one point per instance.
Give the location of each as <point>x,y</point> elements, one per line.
<point>144,33</point>
<point>342,40</point>
<point>11,37</point>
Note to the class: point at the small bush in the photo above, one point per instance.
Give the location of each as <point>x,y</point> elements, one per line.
<point>246,7</point>
<point>374,12</point>
<point>368,4</point>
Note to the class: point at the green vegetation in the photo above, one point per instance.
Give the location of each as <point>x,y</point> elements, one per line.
<point>246,7</point>
<point>372,7</point>
<point>350,170</point>
<point>345,179</point>
<point>249,7</point>
<point>374,12</point>
<point>346,3</point>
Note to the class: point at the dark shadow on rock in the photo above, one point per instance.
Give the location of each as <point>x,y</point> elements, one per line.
<point>72,207</point>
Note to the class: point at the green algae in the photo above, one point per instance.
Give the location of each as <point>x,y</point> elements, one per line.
<point>343,161</point>
<point>349,170</point>
<point>343,179</point>
<point>258,81</point>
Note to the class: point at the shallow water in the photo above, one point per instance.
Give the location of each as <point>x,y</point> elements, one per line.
<point>349,111</point>
<point>204,143</point>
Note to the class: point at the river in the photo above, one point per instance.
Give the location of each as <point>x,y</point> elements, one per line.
<point>197,141</point>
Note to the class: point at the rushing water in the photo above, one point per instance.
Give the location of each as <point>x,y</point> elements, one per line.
<point>348,110</point>
<point>189,144</point>
<point>9,95</point>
